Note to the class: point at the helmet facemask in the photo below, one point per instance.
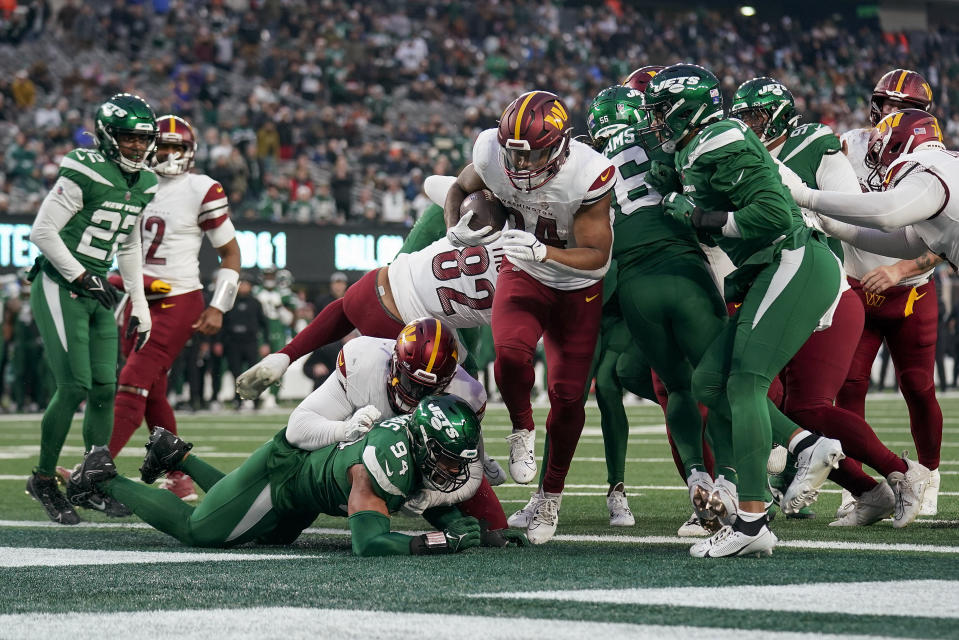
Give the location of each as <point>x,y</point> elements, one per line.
<point>444,470</point>
<point>409,387</point>
<point>130,157</point>
<point>529,169</point>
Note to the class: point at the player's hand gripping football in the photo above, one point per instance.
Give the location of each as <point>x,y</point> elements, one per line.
<point>460,235</point>
<point>255,380</point>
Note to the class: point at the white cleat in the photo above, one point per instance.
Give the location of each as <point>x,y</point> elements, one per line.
<point>493,471</point>
<point>847,504</point>
<point>872,506</point>
<point>724,501</point>
<point>909,488</point>
<point>692,528</point>
<point>522,462</point>
<point>700,488</point>
<point>522,518</point>
<point>730,542</point>
<point>813,465</point>
<point>619,513</point>
<point>930,499</point>
<point>545,518</point>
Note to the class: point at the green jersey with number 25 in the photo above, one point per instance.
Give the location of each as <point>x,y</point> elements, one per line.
<point>110,210</point>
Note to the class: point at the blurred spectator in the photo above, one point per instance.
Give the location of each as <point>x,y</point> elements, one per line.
<point>338,285</point>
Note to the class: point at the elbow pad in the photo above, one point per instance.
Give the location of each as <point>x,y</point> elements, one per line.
<point>225,292</point>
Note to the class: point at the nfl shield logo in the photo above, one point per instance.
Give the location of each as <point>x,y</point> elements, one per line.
<point>126,196</point>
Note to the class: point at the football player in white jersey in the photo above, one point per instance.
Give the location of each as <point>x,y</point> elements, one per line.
<point>381,378</point>
<point>891,291</point>
<point>557,248</point>
<point>187,207</point>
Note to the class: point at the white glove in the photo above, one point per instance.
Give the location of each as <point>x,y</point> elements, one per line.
<point>252,382</point>
<point>523,245</point>
<point>358,424</point>
<point>800,192</point>
<point>460,235</point>
<point>139,323</point>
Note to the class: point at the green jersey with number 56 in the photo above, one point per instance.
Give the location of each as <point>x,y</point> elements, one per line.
<point>110,209</point>
<point>639,221</point>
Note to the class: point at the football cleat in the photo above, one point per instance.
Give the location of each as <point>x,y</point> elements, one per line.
<point>692,528</point>
<point>728,541</point>
<point>930,499</point>
<point>180,484</point>
<point>813,465</point>
<point>522,518</point>
<point>164,452</point>
<point>724,501</point>
<point>846,504</point>
<point>97,467</point>
<point>700,488</point>
<point>493,471</point>
<point>542,525</point>
<point>872,506</point>
<point>522,462</point>
<point>45,491</point>
<point>909,488</point>
<point>619,513</point>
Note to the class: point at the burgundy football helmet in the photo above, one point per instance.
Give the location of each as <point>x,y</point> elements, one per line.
<point>424,362</point>
<point>902,86</point>
<point>175,130</point>
<point>534,134</point>
<point>641,77</point>
<point>895,135</point>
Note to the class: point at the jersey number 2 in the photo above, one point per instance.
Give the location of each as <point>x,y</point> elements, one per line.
<point>159,224</point>
<point>472,261</point>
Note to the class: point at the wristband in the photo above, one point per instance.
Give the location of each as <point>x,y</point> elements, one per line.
<point>432,543</point>
<point>225,292</point>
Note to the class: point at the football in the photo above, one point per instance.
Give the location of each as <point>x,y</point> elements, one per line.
<point>486,208</point>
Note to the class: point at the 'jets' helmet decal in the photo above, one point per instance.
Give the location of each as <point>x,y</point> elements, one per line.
<point>679,99</point>
<point>122,116</point>
<point>444,435</point>
<point>767,106</point>
<point>614,109</point>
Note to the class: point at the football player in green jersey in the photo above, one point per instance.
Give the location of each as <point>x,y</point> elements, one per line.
<point>726,188</point>
<point>667,296</point>
<point>280,489</point>
<point>91,215</point>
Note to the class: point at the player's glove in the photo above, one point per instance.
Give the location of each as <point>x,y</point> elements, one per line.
<point>460,234</point>
<point>153,286</point>
<point>680,208</point>
<point>358,424</point>
<point>523,245</point>
<point>502,537</point>
<point>252,382</point>
<point>140,324</point>
<point>462,534</point>
<point>663,177</point>
<point>98,287</point>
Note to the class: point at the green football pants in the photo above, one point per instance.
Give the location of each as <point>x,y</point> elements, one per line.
<point>80,341</point>
<point>674,312</point>
<point>780,311</point>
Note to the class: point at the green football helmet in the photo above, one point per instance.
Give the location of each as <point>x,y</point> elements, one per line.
<point>126,115</point>
<point>766,106</point>
<point>612,110</point>
<point>679,99</point>
<point>444,434</point>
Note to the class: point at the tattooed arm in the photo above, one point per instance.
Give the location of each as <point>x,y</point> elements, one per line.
<point>881,278</point>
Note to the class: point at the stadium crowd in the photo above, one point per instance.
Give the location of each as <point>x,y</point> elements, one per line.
<point>332,112</point>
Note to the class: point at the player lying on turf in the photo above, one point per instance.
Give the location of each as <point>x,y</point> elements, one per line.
<point>280,489</point>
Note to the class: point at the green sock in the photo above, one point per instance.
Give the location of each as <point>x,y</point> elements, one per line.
<point>54,428</point>
<point>98,416</point>
<point>203,473</point>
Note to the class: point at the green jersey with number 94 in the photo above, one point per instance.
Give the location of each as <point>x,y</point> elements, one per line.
<point>639,220</point>
<point>111,207</point>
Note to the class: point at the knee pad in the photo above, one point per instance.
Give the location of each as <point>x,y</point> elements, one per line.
<point>916,380</point>
<point>513,357</point>
<point>566,393</point>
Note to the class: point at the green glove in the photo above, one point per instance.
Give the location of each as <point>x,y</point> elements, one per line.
<point>503,538</point>
<point>680,208</point>
<point>462,534</point>
<point>663,178</point>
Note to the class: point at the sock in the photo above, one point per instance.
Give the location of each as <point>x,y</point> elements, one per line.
<point>514,373</point>
<point>56,424</point>
<point>128,413</point>
<point>802,441</point>
<point>98,416</point>
<point>750,523</point>
<point>158,412</point>
<point>203,473</point>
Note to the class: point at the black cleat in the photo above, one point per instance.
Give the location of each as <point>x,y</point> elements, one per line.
<point>99,501</point>
<point>164,452</point>
<point>45,491</point>
<point>82,486</point>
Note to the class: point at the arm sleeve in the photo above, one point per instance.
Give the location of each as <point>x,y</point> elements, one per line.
<point>902,243</point>
<point>316,422</point>
<point>756,193</point>
<point>441,517</point>
<point>130,263</point>
<point>371,536</point>
<point>61,204</point>
<point>918,197</point>
<point>835,173</point>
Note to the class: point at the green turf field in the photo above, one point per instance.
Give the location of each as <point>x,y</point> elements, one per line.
<point>120,579</point>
